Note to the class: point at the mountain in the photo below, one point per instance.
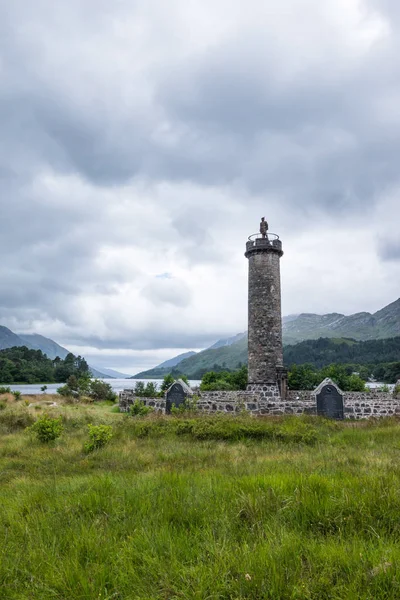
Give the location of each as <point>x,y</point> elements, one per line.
<point>232,352</point>
<point>52,349</point>
<point>99,374</point>
<point>111,373</point>
<point>223,357</point>
<point>326,351</point>
<point>172,362</point>
<point>34,341</point>
<point>8,339</point>
<point>360,326</point>
<point>228,341</point>
<point>46,345</point>
<point>194,362</point>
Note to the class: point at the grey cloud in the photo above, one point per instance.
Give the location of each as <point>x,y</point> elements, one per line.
<point>323,140</point>
<point>150,339</point>
<point>233,121</point>
<point>389,249</point>
<point>167,291</point>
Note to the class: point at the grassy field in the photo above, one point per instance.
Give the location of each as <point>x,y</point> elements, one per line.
<point>198,508</point>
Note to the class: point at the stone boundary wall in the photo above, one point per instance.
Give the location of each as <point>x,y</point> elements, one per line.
<point>128,397</point>
<point>357,405</point>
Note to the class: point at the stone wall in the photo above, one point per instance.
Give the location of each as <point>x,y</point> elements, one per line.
<point>128,397</point>
<point>362,405</point>
<point>357,405</point>
<point>230,402</point>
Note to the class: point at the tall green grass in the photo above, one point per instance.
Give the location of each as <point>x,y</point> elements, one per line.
<point>200,508</point>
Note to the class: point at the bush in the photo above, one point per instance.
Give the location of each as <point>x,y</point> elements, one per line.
<point>5,390</point>
<point>166,384</point>
<point>139,409</point>
<point>383,388</point>
<point>139,388</point>
<point>146,391</point>
<point>224,380</point>
<point>16,394</point>
<point>47,429</point>
<point>99,436</point>
<point>100,390</point>
<point>70,389</point>
<point>84,387</point>
<point>189,406</point>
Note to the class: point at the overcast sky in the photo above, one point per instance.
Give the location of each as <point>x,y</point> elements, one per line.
<point>142,140</point>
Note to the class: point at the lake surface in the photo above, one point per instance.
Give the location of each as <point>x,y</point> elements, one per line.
<point>117,385</point>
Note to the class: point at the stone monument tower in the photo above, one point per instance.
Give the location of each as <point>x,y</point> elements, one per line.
<point>265,357</point>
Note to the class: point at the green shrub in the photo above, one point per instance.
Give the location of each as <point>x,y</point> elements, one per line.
<point>16,394</point>
<point>166,384</point>
<point>75,387</point>
<point>139,388</point>
<point>5,390</point>
<point>146,391</point>
<point>99,436</point>
<point>383,388</point>
<point>189,406</point>
<point>100,390</point>
<point>139,409</point>
<point>47,429</point>
<point>224,380</point>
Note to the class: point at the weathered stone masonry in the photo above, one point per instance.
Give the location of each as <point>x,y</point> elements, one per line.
<point>265,353</point>
<point>357,405</point>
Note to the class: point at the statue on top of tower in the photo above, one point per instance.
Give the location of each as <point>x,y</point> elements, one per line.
<point>263,227</point>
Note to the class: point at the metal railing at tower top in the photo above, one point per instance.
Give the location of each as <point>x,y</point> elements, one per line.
<point>271,237</point>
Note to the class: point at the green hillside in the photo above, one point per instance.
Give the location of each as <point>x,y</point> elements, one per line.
<point>225,357</point>
<point>319,353</point>
<point>229,354</point>
<point>325,351</point>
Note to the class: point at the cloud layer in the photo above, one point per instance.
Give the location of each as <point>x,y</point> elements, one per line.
<point>142,141</point>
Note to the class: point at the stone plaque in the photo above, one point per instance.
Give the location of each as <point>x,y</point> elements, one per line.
<point>176,395</point>
<point>330,403</point>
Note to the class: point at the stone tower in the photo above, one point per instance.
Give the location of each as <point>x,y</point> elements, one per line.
<point>265,356</point>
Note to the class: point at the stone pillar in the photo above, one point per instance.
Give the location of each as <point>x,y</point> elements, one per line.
<point>265,356</point>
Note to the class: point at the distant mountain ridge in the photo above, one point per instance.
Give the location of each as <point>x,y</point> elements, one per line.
<point>360,326</point>
<point>34,341</point>
<point>229,341</point>
<point>46,345</point>
<point>172,362</point>
<point>232,352</point>
<point>8,339</point>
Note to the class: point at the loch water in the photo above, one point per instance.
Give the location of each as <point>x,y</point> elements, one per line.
<point>117,385</point>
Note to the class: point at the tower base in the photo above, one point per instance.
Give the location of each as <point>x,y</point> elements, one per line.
<point>272,390</point>
<point>265,390</point>
<point>282,378</point>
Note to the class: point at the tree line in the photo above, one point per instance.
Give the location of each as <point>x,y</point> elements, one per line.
<point>19,364</point>
<point>325,351</point>
<point>300,377</point>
